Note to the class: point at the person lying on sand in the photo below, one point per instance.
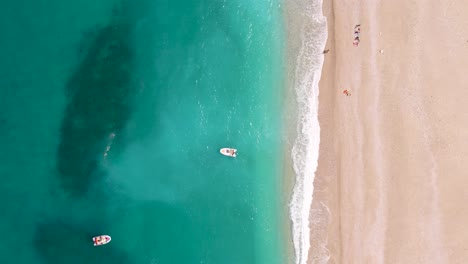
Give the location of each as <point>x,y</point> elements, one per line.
<point>356,41</point>
<point>326,51</point>
<point>347,93</point>
<point>357,30</point>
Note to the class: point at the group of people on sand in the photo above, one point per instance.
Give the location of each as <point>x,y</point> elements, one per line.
<point>357,32</point>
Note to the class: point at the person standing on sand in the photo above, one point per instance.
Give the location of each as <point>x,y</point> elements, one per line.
<point>326,51</point>
<point>347,93</point>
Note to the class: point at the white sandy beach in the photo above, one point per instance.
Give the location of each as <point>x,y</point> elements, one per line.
<point>393,159</point>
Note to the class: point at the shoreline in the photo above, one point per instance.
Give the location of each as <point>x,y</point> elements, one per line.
<point>305,37</point>
<point>324,204</point>
<point>289,121</point>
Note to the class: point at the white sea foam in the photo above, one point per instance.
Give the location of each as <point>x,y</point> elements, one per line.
<point>306,146</point>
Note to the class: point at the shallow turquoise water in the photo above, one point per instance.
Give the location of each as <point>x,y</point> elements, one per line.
<point>162,85</point>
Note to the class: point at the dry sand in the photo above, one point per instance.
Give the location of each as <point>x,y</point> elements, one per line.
<point>393,165</point>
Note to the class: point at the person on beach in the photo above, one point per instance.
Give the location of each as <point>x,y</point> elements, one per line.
<point>326,51</point>
<point>356,41</point>
<point>347,93</point>
<point>357,30</point>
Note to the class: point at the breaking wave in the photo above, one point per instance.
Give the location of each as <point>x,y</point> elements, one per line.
<point>306,145</point>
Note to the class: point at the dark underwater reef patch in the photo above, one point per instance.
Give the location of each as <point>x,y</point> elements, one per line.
<point>98,106</point>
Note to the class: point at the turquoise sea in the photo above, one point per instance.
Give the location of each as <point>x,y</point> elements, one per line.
<point>112,116</point>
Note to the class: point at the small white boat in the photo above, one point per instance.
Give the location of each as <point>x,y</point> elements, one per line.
<point>101,240</point>
<point>230,152</point>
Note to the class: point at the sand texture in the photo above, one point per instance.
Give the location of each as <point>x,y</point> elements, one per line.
<point>392,177</point>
